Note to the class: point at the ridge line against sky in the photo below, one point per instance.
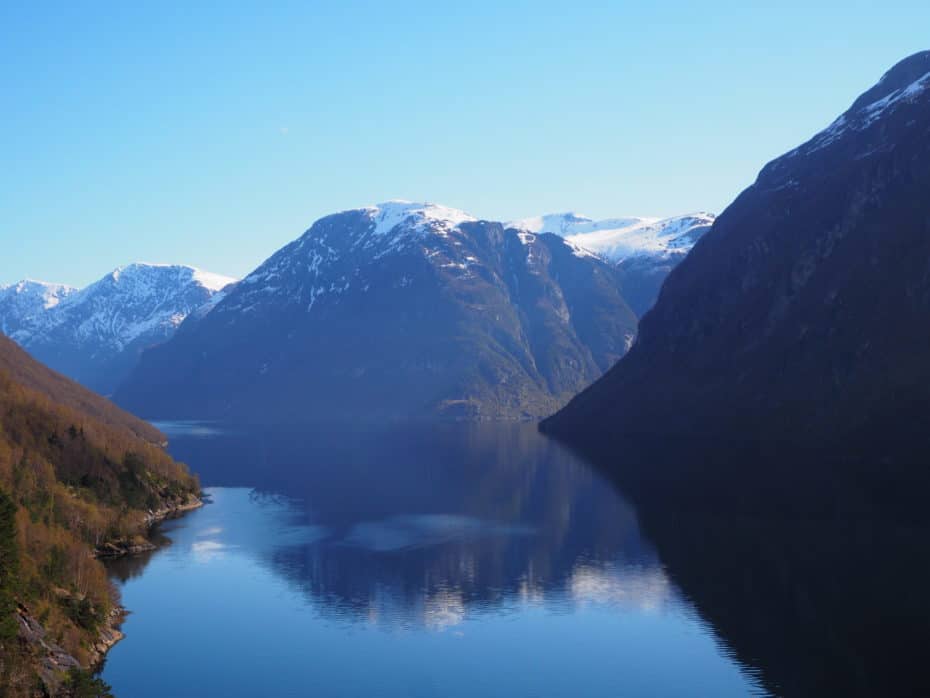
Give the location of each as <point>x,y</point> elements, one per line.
<point>183,134</point>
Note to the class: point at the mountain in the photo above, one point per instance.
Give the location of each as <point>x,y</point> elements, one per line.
<point>23,303</point>
<point>95,335</point>
<point>77,476</point>
<point>799,322</point>
<point>645,250</point>
<point>394,311</point>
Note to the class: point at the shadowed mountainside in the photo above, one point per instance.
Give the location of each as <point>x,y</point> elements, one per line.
<point>396,311</point>
<point>794,336</point>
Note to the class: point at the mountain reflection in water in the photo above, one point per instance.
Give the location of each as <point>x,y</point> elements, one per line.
<point>493,536</point>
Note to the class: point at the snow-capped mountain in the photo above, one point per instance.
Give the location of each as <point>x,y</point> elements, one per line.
<point>27,300</point>
<point>400,309</point>
<point>96,334</point>
<point>618,239</point>
<point>645,250</point>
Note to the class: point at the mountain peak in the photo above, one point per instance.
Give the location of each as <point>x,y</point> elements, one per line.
<point>912,70</point>
<point>390,214</point>
<point>43,292</point>
<point>95,334</point>
<point>397,310</point>
<point>906,83</point>
<point>180,272</point>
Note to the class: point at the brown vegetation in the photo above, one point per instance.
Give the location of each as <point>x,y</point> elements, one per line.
<point>70,479</point>
<point>23,369</point>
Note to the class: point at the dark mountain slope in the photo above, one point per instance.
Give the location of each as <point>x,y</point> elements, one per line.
<point>396,311</point>
<point>800,319</point>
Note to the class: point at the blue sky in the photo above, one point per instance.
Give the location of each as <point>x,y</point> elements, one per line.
<point>212,135</point>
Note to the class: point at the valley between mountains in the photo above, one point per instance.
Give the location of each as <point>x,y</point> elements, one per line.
<point>768,365</point>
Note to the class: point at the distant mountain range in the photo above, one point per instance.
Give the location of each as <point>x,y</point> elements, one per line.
<point>801,319</point>
<point>397,310</point>
<point>24,305</point>
<point>95,335</point>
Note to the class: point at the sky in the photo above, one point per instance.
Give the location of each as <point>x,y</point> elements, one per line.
<point>212,134</point>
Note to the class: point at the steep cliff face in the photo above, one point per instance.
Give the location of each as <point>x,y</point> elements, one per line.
<point>801,317</point>
<point>396,311</point>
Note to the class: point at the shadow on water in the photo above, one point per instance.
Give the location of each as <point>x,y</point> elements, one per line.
<point>820,589</point>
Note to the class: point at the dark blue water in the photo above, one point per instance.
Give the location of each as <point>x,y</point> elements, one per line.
<point>433,561</point>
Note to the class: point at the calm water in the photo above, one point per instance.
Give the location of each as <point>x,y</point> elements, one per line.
<point>450,561</point>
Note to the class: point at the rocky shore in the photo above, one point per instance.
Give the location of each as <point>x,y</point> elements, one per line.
<point>139,543</point>
<point>53,661</point>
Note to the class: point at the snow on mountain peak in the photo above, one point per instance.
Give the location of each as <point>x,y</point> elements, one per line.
<point>25,300</point>
<point>570,223</point>
<point>133,301</point>
<point>617,239</point>
<point>435,217</point>
<point>43,293</point>
<point>139,272</point>
<point>905,83</point>
<point>210,281</point>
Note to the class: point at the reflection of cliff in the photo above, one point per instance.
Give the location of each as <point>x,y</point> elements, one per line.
<point>425,524</point>
<point>813,599</point>
<point>818,608</point>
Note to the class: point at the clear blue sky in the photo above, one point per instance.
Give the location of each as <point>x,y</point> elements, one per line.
<point>213,135</point>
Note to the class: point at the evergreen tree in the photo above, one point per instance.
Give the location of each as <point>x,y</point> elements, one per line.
<point>9,568</point>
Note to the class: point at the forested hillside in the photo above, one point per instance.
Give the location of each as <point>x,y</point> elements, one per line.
<point>26,371</point>
<point>69,482</point>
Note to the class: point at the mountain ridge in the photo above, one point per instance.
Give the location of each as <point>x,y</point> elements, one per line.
<point>96,333</point>
<point>467,319</point>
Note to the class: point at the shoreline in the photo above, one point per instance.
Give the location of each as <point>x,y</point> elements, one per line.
<point>53,661</point>
<point>141,542</point>
<point>110,634</point>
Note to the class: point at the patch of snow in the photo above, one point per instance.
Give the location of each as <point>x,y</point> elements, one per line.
<point>211,281</point>
<point>859,119</point>
<point>875,110</point>
<point>580,251</point>
<point>565,224</point>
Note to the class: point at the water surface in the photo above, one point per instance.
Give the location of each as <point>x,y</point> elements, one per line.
<point>432,561</point>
